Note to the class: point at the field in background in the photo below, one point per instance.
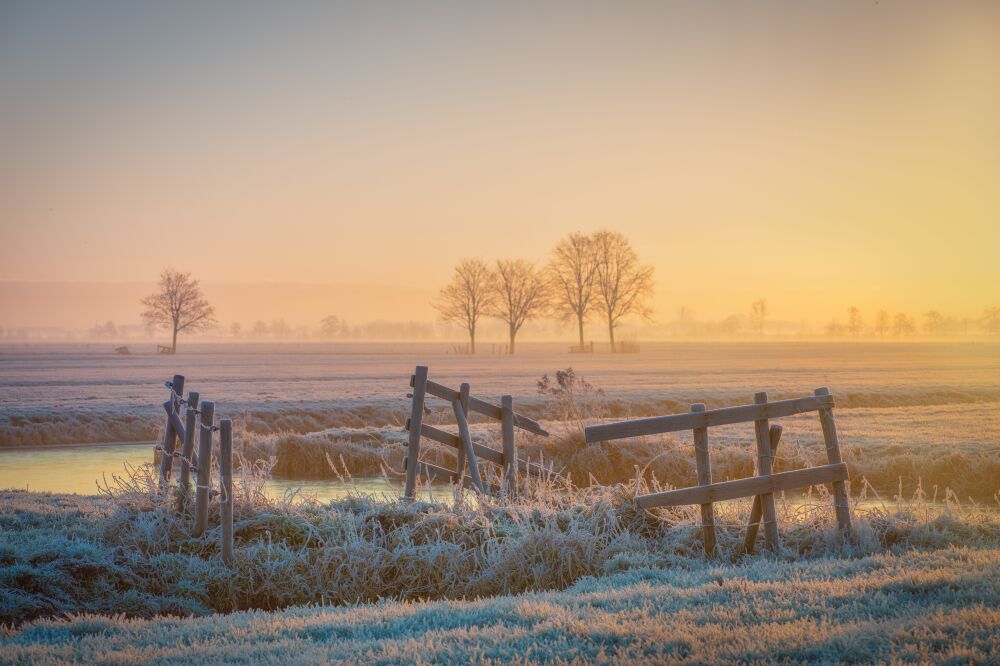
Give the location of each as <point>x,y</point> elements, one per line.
<point>909,413</point>
<point>59,394</point>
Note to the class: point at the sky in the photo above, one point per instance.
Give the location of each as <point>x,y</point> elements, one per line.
<point>818,155</point>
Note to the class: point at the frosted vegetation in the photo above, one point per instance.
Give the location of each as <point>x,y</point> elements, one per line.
<point>571,570</point>
<point>916,606</point>
<point>920,582</point>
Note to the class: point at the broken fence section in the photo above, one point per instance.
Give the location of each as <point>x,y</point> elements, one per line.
<point>468,452</point>
<point>199,416</point>
<point>762,486</point>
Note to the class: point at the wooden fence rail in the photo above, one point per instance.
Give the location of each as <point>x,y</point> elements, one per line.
<point>764,484</point>
<point>202,421</point>
<point>462,404</point>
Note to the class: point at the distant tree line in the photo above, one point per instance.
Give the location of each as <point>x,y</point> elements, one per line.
<point>932,324</point>
<point>883,325</point>
<point>587,274</point>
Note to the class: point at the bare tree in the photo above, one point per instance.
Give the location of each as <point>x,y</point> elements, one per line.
<point>331,326</point>
<point>855,324</point>
<point>519,293</point>
<point>107,330</point>
<point>178,305</point>
<point>991,320</point>
<point>260,329</point>
<point>623,284</point>
<point>934,322</point>
<point>903,325</point>
<point>280,329</point>
<point>758,313</point>
<point>468,297</point>
<point>572,271</point>
<point>881,323</point>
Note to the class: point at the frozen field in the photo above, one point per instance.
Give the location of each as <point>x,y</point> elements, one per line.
<point>916,412</point>
<point>59,394</point>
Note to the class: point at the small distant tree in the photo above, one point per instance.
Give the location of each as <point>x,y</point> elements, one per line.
<point>902,325</point>
<point>468,297</point>
<point>236,329</point>
<point>685,318</point>
<point>991,321</point>
<point>623,284</point>
<point>835,329</point>
<point>855,324</point>
<point>572,272</point>
<point>731,324</point>
<point>881,323</point>
<point>934,322</point>
<point>519,294</point>
<point>178,305</point>
<point>106,330</point>
<point>331,326</point>
<point>758,314</point>
<point>279,329</point>
<point>260,329</point>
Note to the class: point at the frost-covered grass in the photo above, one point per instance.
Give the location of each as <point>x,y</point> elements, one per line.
<point>132,551</point>
<point>564,573</point>
<point>938,606</point>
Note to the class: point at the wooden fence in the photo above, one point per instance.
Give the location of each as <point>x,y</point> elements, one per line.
<point>199,415</point>
<point>765,483</point>
<point>463,404</point>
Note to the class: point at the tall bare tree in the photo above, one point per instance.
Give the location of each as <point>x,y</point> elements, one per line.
<point>178,306</point>
<point>572,271</point>
<point>758,313</point>
<point>468,297</point>
<point>520,294</point>
<point>622,283</point>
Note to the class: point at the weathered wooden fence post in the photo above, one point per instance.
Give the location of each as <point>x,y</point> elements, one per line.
<point>463,396</point>
<point>459,406</point>
<point>419,384</point>
<point>509,449</point>
<point>187,450</point>
<point>226,483</point>
<point>764,467</point>
<point>704,466</point>
<point>170,432</point>
<point>204,467</point>
<point>843,509</point>
<point>755,513</point>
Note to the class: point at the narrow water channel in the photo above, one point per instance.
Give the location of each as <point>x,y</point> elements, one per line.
<point>77,469</point>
